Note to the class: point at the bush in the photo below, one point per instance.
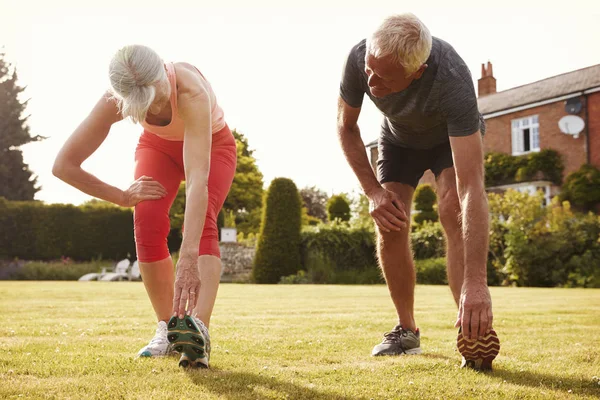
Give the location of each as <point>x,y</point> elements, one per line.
<point>34,231</point>
<point>543,246</point>
<point>278,248</point>
<point>503,168</point>
<point>339,253</point>
<point>300,278</point>
<point>348,248</point>
<point>338,208</point>
<point>427,240</point>
<point>582,188</point>
<point>56,271</point>
<point>431,271</point>
<point>424,201</point>
<point>546,162</point>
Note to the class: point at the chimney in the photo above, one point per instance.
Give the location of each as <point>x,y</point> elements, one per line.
<point>487,83</point>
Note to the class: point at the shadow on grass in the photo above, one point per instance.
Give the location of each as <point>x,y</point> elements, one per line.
<point>547,381</point>
<point>436,356</point>
<point>243,385</point>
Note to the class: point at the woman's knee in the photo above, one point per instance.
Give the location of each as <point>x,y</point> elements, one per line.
<point>151,227</point>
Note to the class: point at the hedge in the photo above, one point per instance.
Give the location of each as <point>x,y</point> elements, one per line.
<point>501,169</point>
<point>35,231</point>
<point>339,254</point>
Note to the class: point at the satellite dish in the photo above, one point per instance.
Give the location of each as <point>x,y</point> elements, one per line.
<point>573,106</point>
<point>571,125</point>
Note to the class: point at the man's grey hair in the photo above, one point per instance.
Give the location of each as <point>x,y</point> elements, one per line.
<point>403,37</point>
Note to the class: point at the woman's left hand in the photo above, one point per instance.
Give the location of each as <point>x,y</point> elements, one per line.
<point>187,285</point>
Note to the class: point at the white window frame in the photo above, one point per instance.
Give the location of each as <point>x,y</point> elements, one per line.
<point>533,189</point>
<point>517,128</point>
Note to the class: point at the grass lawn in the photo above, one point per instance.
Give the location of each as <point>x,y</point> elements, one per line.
<point>79,340</point>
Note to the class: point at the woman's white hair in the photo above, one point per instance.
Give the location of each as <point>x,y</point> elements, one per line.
<point>136,72</point>
<point>403,37</point>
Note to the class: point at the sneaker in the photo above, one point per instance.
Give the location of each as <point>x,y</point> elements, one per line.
<point>399,341</point>
<point>478,354</point>
<point>189,336</point>
<point>159,345</point>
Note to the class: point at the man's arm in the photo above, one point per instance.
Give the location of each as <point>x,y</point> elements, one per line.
<point>475,309</point>
<point>388,210</point>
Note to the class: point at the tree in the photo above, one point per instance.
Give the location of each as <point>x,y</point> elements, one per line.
<point>245,196</point>
<point>338,207</point>
<point>278,248</point>
<point>315,201</point>
<point>425,200</point>
<point>17,182</point>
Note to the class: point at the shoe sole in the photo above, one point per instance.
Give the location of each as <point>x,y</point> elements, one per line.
<point>408,352</point>
<point>480,353</point>
<point>186,338</point>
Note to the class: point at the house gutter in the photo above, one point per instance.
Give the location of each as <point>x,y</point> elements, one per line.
<point>540,103</point>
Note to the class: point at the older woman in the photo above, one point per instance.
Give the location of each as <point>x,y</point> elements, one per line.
<point>185,137</point>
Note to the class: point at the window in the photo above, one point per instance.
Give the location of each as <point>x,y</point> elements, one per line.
<point>532,189</point>
<point>525,135</point>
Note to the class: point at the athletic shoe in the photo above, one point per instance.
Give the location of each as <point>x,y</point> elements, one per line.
<point>159,345</point>
<point>399,341</point>
<point>189,336</point>
<point>478,354</point>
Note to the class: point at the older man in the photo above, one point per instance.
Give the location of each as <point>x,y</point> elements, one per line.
<point>431,122</point>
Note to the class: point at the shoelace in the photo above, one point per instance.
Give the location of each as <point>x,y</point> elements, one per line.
<point>160,336</point>
<point>395,334</point>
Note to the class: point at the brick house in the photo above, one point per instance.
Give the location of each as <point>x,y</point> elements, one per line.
<point>525,119</point>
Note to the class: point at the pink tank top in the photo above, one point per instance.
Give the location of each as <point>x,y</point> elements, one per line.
<point>176,128</point>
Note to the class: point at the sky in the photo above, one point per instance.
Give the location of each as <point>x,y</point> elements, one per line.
<point>275,67</point>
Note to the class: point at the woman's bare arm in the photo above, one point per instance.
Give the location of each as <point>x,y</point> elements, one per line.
<point>82,143</point>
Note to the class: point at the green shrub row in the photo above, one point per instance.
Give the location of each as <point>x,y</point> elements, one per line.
<point>36,231</point>
<point>320,269</point>
<point>502,169</point>
<point>54,271</point>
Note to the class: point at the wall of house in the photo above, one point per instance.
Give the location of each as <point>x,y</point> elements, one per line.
<point>498,135</point>
<point>594,127</point>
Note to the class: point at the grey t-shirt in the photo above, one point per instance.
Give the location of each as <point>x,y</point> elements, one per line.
<point>440,104</point>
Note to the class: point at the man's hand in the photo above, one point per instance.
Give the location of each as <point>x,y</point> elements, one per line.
<point>387,210</point>
<point>475,310</point>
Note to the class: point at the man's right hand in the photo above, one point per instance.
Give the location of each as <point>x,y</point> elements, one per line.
<point>387,210</point>
<point>144,188</point>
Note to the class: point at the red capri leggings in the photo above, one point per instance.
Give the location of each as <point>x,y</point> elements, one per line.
<point>162,160</point>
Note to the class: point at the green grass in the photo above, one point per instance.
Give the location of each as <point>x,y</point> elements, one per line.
<point>79,340</point>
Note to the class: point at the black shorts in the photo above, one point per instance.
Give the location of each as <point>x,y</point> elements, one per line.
<point>404,165</point>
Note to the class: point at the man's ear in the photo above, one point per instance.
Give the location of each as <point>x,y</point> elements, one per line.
<point>420,71</point>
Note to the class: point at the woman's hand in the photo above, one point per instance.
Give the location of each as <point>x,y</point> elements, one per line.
<point>144,188</point>
<point>187,284</point>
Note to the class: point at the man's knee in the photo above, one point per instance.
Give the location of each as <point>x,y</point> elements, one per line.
<point>151,227</point>
<point>449,210</point>
<point>394,239</point>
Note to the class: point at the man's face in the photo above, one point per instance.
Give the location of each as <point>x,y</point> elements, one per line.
<point>386,78</point>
